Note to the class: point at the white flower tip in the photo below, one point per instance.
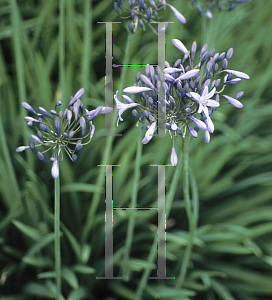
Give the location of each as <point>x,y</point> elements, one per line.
<point>136,89</point>
<point>55,169</point>
<point>21,148</point>
<point>178,15</point>
<point>177,43</point>
<point>174,158</point>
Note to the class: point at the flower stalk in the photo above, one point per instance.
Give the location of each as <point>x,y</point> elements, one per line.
<point>57,238</point>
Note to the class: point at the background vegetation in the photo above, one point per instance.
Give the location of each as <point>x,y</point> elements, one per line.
<point>231,177</point>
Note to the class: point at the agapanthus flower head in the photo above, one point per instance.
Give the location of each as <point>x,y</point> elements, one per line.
<point>208,6</point>
<point>142,12</point>
<point>192,88</point>
<point>63,130</point>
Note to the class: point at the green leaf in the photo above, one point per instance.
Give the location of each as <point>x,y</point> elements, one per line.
<point>41,262</point>
<point>85,253</point>
<point>163,292</point>
<point>27,230</point>
<point>73,241</point>
<point>70,277</point>
<point>38,289</point>
<point>78,294</point>
<point>81,187</point>
<point>83,269</point>
<point>49,274</point>
<point>13,297</point>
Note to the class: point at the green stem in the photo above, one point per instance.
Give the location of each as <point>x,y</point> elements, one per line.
<point>87,48</point>
<point>134,194</point>
<point>189,212</point>
<point>62,49</point>
<point>153,252</point>
<point>57,238</point>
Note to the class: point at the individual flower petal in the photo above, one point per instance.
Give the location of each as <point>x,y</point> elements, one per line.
<point>192,132</point>
<point>30,119</point>
<point>92,129</point>
<point>57,125</point>
<point>116,7</point>
<point>238,74</point>
<point>79,93</point>
<point>121,107</point>
<point>233,81</point>
<point>131,27</point>
<point>105,110</point>
<point>147,82</point>
<point>82,124</point>
<point>136,89</point>
<point>193,50</point>
<point>208,14</point>
<point>233,101</point>
<point>171,70</point>
<point>177,43</point>
<point>149,14</point>
<point>90,115</point>
<point>174,157</point>
<point>178,15</point>
<point>149,133</point>
<point>44,112</point>
<point>53,112</point>
<point>127,99</point>
<point>78,146</point>
<point>239,95</point>
<point>55,169</point>
<point>32,146</point>
<point>36,139</point>
<point>173,125</point>
<point>209,125</point>
<point>200,124</point>
<point>21,148</point>
<point>43,127</point>
<point>69,116</point>
<point>28,108</point>
<point>76,109</point>
<point>206,136</point>
<point>168,77</point>
<point>41,157</point>
<point>188,75</point>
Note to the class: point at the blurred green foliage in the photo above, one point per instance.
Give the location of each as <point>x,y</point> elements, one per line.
<point>231,176</point>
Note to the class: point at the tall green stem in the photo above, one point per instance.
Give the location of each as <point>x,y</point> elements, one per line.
<point>62,49</point>
<point>189,212</point>
<point>153,252</point>
<point>57,238</point>
<point>134,194</point>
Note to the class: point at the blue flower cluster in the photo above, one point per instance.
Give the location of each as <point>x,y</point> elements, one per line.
<point>189,86</point>
<point>209,5</point>
<point>58,131</point>
<point>141,12</point>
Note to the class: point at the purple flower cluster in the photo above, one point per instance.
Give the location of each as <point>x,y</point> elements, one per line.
<point>189,86</point>
<point>142,11</point>
<point>210,5</point>
<point>61,130</point>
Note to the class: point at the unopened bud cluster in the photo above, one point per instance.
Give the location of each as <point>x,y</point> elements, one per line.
<point>143,12</point>
<point>207,6</point>
<point>182,93</point>
<point>63,130</point>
